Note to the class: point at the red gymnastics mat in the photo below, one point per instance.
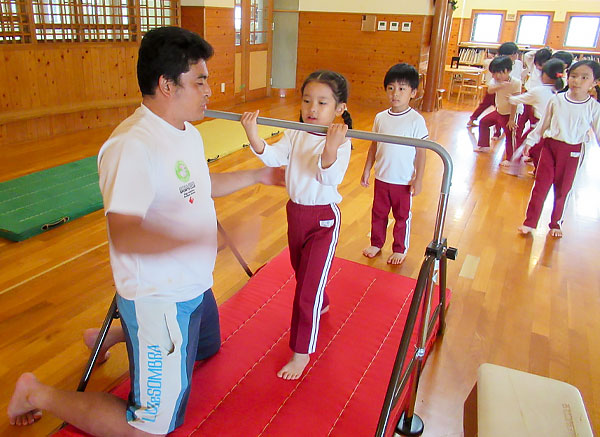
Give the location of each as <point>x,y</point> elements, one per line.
<point>237,393</point>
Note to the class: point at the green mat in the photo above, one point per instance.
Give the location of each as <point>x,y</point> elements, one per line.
<point>40,201</point>
<point>35,203</point>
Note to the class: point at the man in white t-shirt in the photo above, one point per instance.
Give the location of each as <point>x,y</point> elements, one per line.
<point>162,236</point>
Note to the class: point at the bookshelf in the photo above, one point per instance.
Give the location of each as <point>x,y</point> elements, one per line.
<point>471,53</point>
<point>474,54</point>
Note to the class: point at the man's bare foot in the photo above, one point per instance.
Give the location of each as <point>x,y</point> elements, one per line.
<point>556,233</point>
<point>325,310</point>
<point>294,368</point>
<point>371,251</point>
<point>396,258</point>
<point>524,230</point>
<point>89,338</point>
<point>20,411</point>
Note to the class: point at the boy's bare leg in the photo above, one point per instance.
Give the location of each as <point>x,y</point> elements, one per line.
<point>93,412</point>
<point>556,233</point>
<point>371,251</point>
<point>294,368</point>
<point>396,258</point>
<point>114,335</point>
<point>524,230</point>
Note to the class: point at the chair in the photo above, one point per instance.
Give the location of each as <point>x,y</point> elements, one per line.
<point>456,79</point>
<point>471,85</point>
<point>417,101</point>
<point>439,98</point>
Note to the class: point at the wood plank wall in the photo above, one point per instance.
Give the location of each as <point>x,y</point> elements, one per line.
<point>217,27</point>
<point>48,75</point>
<point>334,41</point>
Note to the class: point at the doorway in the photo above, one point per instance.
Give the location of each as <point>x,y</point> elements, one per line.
<point>253,48</point>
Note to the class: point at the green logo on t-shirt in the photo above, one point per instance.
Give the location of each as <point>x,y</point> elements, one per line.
<point>182,172</point>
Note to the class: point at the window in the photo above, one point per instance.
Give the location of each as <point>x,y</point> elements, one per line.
<point>83,20</point>
<point>533,29</point>
<point>258,22</point>
<point>237,22</point>
<point>582,31</point>
<point>486,27</point>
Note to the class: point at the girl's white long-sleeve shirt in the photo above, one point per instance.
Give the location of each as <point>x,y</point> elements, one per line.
<point>567,120</point>
<point>307,182</point>
<point>537,97</point>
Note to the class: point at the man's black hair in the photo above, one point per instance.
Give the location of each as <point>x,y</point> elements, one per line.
<point>168,52</point>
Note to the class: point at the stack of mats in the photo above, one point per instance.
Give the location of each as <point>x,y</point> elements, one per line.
<point>35,203</point>
<point>40,201</point>
<point>222,137</point>
<point>237,393</point>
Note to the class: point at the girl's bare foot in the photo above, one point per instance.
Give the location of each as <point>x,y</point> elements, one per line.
<point>556,233</point>
<point>294,368</point>
<point>371,251</point>
<point>505,163</point>
<point>20,411</point>
<point>524,230</point>
<point>396,258</point>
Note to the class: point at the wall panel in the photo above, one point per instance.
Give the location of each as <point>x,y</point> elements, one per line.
<point>39,77</point>
<point>363,57</point>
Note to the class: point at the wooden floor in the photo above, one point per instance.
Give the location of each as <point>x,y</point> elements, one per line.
<point>528,303</point>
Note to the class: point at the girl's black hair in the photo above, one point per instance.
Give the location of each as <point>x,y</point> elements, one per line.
<point>554,69</point>
<point>542,56</point>
<point>595,66</point>
<point>338,85</point>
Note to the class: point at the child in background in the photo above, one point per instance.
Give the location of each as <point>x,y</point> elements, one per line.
<point>537,98</point>
<point>316,164</point>
<point>566,57</point>
<point>504,86</point>
<point>563,128</point>
<point>534,62</point>
<point>398,169</point>
<point>488,99</point>
<point>511,50</point>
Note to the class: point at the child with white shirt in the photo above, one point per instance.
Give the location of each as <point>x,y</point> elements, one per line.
<point>537,98</point>
<point>563,128</point>
<point>316,164</point>
<point>398,169</point>
<point>504,86</point>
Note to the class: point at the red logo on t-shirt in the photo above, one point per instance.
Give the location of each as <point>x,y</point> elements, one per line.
<point>191,199</point>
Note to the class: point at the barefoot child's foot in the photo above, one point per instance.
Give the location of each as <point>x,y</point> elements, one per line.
<point>89,338</point>
<point>20,411</point>
<point>294,368</point>
<point>396,258</point>
<point>325,310</point>
<point>371,251</point>
<point>524,230</point>
<point>556,233</point>
<point>505,163</point>
<point>471,123</point>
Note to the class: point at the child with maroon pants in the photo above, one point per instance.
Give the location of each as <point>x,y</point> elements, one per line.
<point>398,169</point>
<point>315,166</point>
<point>563,128</point>
<point>504,115</point>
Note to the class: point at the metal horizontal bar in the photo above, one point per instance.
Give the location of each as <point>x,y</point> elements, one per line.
<point>352,133</point>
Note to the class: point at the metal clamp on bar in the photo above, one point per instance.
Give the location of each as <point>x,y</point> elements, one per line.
<point>439,249</point>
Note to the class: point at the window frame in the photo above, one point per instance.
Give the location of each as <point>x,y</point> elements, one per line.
<point>568,17</point>
<point>35,26</point>
<point>476,12</point>
<point>549,14</point>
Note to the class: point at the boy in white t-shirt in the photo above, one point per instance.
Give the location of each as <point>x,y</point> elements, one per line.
<point>398,169</point>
